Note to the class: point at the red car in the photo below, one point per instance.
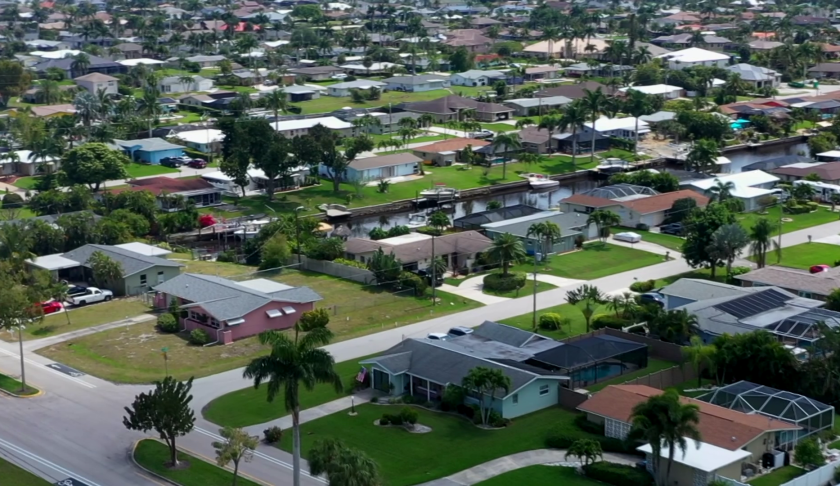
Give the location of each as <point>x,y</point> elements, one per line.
<point>197,163</point>
<point>819,268</point>
<point>51,307</point>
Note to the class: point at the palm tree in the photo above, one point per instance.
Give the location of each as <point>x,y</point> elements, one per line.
<point>49,92</point>
<point>294,362</point>
<point>761,240</point>
<point>546,231</point>
<point>593,102</point>
<point>721,191</point>
<point>573,117</point>
<point>187,81</point>
<point>80,65</point>
<point>636,105</point>
<point>590,296</point>
<point>603,219</point>
<point>507,142</point>
<point>149,107</point>
<point>698,353</point>
<point>506,249</point>
<point>87,107</point>
<point>664,421</point>
<point>549,123</point>
<point>703,155</point>
<point>277,102</point>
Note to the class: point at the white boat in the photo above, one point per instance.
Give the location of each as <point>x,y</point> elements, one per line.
<point>539,181</point>
<point>439,192</point>
<point>417,220</point>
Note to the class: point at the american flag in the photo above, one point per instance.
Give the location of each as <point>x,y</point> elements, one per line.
<point>360,377</point>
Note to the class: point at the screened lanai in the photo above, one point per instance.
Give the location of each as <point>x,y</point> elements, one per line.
<point>747,397</point>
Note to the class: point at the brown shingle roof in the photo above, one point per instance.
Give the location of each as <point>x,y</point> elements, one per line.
<point>663,202</point>
<point>454,145</point>
<point>718,426</point>
<point>168,185</point>
<point>590,201</point>
<point>385,161</point>
<point>533,135</point>
<point>830,171</point>
<point>822,283</point>
<point>572,91</point>
<point>453,104</point>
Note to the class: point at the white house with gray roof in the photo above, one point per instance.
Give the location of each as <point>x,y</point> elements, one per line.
<point>179,84</point>
<point>536,106</point>
<point>418,83</point>
<point>756,76</point>
<point>140,271</point>
<point>346,88</point>
<point>229,310</point>
<point>475,77</point>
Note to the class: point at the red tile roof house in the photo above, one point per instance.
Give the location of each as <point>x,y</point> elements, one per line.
<point>230,310</point>
<point>648,210</point>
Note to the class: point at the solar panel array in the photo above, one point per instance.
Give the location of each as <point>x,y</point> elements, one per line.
<point>753,304</point>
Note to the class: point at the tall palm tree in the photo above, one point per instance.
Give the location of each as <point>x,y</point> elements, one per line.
<point>721,191</point>
<point>87,107</point>
<point>149,107</point>
<point>80,65</point>
<point>593,102</point>
<point>506,249</point>
<point>590,296</point>
<point>187,81</point>
<point>546,231</point>
<point>277,101</point>
<point>664,421</point>
<point>294,362</point>
<point>761,240</point>
<point>549,123</point>
<point>573,117</point>
<point>703,155</point>
<point>697,353</point>
<point>507,142</point>
<point>636,105</point>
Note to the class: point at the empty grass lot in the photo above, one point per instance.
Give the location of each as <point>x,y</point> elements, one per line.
<point>653,366</point>
<point>82,318</point>
<point>249,406</point>
<point>668,241</point>
<point>596,260</point>
<point>144,170</point>
<point>540,476</point>
<point>154,455</point>
<point>799,221</point>
<point>454,444</point>
<point>12,474</point>
<point>806,255</point>
<point>778,477</point>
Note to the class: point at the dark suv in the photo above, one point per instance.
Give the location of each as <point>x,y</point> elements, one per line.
<point>171,162</point>
<point>676,229</point>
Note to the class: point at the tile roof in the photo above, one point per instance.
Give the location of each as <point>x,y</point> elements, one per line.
<point>533,135</point>
<point>451,145</point>
<point>718,426</point>
<point>132,262</point>
<point>663,202</point>
<point>822,283</point>
<point>590,201</point>
<point>95,77</point>
<point>168,185</point>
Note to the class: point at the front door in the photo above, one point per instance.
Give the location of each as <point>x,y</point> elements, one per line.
<point>381,381</point>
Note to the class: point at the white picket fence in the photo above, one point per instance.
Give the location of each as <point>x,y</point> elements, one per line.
<point>817,477</point>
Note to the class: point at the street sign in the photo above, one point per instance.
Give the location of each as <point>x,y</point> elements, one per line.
<point>67,371</point>
<point>70,482</point>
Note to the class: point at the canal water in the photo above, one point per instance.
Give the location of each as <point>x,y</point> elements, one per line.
<point>360,227</point>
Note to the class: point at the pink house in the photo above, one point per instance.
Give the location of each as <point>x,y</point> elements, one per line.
<point>230,310</point>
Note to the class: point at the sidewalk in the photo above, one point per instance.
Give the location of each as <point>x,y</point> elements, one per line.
<point>49,341</point>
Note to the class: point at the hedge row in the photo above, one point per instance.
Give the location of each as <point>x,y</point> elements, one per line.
<point>610,321</point>
<point>503,283</point>
<point>617,474</point>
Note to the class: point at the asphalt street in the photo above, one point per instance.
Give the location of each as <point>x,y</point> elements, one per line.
<point>75,429</point>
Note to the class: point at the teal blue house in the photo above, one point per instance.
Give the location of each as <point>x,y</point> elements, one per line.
<point>423,367</point>
<point>149,150</point>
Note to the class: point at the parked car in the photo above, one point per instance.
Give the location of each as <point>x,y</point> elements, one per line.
<point>819,268</point>
<point>652,298</point>
<point>92,295</point>
<point>437,336</point>
<point>338,76</point>
<point>481,134</point>
<point>172,162</point>
<point>51,307</point>
<point>197,163</point>
<point>73,290</point>
<point>628,236</point>
<point>460,331</point>
<point>676,229</point>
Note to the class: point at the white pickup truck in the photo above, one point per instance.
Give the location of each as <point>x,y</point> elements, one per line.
<point>91,296</point>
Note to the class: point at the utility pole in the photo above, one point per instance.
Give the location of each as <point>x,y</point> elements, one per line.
<point>297,232</point>
<point>434,277</point>
<point>534,317</point>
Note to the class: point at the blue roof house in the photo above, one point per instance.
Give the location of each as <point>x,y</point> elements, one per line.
<point>149,150</point>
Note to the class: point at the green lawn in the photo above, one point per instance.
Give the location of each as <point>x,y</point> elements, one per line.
<point>12,385</point>
<point>527,290</point>
<point>577,324</point>
<point>326,104</point>
<point>778,477</point>
<point>806,255</point>
<point>803,125</point>
<point>454,444</point>
<point>621,154</point>
<point>498,127</point>
<point>653,366</point>
<point>143,170</point>
<point>81,318</point>
<point>12,474</point>
<point>27,183</point>
<point>668,241</point>
<point>540,476</point>
<point>687,385</point>
<point>799,221</point>
<point>391,136</point>
<point>594,261</point>
<point>154,456</point>
<point>249,406</point>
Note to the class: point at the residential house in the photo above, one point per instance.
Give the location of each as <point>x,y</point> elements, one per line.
<point>572,225</point>
<point>475,77</point>
<point>380,167</point>
<point>34,95</point>
<point>361,69</point>
<point>535,140</point>
<point>474,221</point>
<point>689,290</point>
<point>257,181</point>
<point>294,128</point>
<point>732,440</point>
<point>660,116</point>
<point>250,77</point>
<point>634,204</point>
<point>390,122</point>
<point>27,163</point>
<point>49,111</point>
<point>694,56</point>
<point>168,190</point>
<point>712,42</point>
<point>129,50</point>
<point>229,310</point>
<point>581,141</point>
<point>415,250</point>
<point>97,65</point>
<point>541,72</point>
<point>753,187</point>
<point>536,106</point>
<point>94,83</point>
<point>418,83</point>
<point>446,152</point>
<point>679,18</point>
<point>204,61</point>
<point>179,84</point>
<point>149,150</point>
<point>303,92</point>
<point>473,40</point>
<point>572,91</point>
<point>664,90</point>
<point>140,271</point>
<point>756,76</point>
<point>206,140</point>
<point>450,108</point>
<point>346,88</point>
<point>825,70</point>
<point>817,286</point>
<point>316,73</point>
<point>764,45</point>
<point>601,70</point>
<point>627,128</point>
<point>47,45</point>
<point>828,172</point>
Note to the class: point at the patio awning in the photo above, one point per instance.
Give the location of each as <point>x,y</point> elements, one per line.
<point>54,262</point>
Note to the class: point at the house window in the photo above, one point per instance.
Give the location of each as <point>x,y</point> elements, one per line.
<point>807,295</point>
<point>543,390</point>
<point>143,279</point>
<point>515,398</point>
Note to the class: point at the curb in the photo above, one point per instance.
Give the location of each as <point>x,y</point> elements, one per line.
<point>191,453</point>
<point>15,395</point>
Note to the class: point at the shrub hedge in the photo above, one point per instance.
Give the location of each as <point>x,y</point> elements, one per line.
<point>643,286</point>
<point>199,337</point>
<point>617,474</point>
<point>167,323</point>
<point>610,321</point>
<point>561,436</point>
<point>550,321</point>
<point>502,283</point>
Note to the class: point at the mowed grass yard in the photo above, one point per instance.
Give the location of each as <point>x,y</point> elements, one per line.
<point>778,477</point>
<point>133,354</point>
<point>596,260</point>
<point>144,170</point>
<point>81,318</point>
<point>326,104</point>
<point>454,444</point>
<point>249,406</point>
<point>154,456</point>
<point>540,476</point>
<point>12,474</point>
<point>668,241</point>
<point>576,323</point>
<point>806,255</point>
<point>799,221</point>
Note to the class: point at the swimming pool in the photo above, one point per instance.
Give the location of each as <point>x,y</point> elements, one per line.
<point>739,124</point>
